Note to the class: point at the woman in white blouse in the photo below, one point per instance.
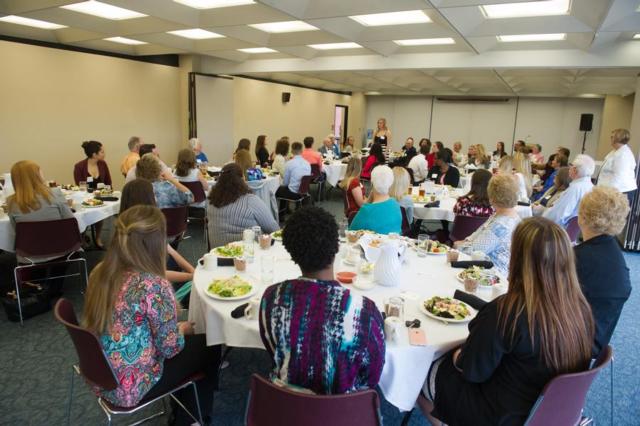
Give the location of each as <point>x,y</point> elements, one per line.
<point>186,171</point>
<point>280,158</point>
<point>519,166</point>
<point>619,167</point>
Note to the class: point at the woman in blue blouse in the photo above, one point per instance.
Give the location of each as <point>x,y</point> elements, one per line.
<point>168,190</point>
<point>382,213</point>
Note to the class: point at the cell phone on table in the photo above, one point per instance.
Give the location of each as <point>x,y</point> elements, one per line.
<point>417,337</point>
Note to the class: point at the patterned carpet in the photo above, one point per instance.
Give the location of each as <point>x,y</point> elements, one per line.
<point>35,367</point>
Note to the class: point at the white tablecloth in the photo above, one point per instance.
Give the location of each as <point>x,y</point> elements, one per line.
<point>86,217</point>
<point>465,183</point>
<point>335,172</point>
<point>406,366</point>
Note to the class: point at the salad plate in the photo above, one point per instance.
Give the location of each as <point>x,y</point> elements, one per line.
<point>447,310</point>
<point>229,251</point>
<point>485,277</point>
<point>231,288</point>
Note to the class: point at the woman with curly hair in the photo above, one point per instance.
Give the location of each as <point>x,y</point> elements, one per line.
<point>300,316</point>
<point>234,208</point>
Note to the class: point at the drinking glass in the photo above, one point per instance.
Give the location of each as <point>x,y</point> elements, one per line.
<point>257,232</point>
<point>83,186</point>
<point>266,269</point>
<point>248,241</point>
<point>344,225</point>
<point>394,307</point>
<point>422,245</point>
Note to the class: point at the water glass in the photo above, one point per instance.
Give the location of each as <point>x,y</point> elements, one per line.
<point>342,231</point>
<point>257,232</point>
<point>83,186</point>
<point>394,307</point>
<point>266,269</point>
<point>422,245</point>
<point>248,240</point>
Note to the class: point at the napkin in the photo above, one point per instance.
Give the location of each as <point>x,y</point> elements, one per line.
<point>107,198</point>
<point>522,203</point>
<point>433,204</point>
<point>239,311</point>
<point>471,300</point>
<point>469,263</point>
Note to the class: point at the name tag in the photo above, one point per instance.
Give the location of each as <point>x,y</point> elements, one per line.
<point>434,176</point>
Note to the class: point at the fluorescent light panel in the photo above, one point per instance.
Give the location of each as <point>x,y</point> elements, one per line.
<point>12,19</point>
<point>284,27</point>
<point>335,46</point>
<point>195,34</point>
<point>124,40</point>
<point>521,10</point>
<point>636,37</point>
<point>392,18</point>
<point>425,41</point>
<point>257,50</point>
<point>531,37</point>
<point>213,4</point>
<point>103,10</point>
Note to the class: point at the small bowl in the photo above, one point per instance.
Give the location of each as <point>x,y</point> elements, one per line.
<point>346,277</point>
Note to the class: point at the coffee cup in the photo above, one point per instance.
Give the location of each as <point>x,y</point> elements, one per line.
<point>265,241</point>
<point>209,261</point>
<point>253,308</point>
<point>452,256</point>
<point>392,327</point>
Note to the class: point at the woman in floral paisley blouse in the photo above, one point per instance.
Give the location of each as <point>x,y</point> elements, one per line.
<point>133,310</point>
<point>476,202</point>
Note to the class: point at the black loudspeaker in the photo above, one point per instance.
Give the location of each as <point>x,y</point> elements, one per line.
<point>286,97</point>
<point>586,120</point>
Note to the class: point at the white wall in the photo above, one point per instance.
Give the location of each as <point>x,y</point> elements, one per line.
<point>551,122</point>
<point>214,116</point>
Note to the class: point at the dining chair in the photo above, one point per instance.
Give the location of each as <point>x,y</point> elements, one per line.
<point>176,223</point>
<point>58,240</point>
<point>269,404</point>
<point>463,226</point>
<point>94,367</point>
<point>573,229</point>
<point>198,213</point>
<point>303,192</point>
<point>406,226</point>
<point>318,179</point>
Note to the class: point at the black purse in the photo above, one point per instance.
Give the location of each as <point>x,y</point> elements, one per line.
<point>35,300</point>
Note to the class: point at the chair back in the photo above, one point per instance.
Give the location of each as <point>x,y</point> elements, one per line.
<point>562,399</point>
<point>572,228</point>
<point>93,363</point>
<point>63,237</point>
<point>176,220</point>
<point>315,170</point>
<point>274,405</point>
<point>197,190</point>
<point>463,226</point>
<point>305,184</point>
<point>406,226</point>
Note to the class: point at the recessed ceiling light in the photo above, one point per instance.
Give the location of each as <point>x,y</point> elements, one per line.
<point>124,40</point>
<point>531,8</point>
<point>103,10</point>
<point>393,18</point>
<point>335,46</point>
<point>637,36</point>
<point>195,34</point>
<point>284,27</point>
<point>31,22</point>
<point>531,37</point>
<point>372,93</point>
<point>257,50</point>
<point>425,41</point>
<point>213,4</point>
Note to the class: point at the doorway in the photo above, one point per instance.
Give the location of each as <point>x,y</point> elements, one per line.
<point>340,122</point>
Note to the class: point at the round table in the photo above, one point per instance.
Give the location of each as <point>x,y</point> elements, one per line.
<point>406,366</point>
<point>335,172</point>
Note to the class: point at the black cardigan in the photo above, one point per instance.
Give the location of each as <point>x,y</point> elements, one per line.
<point>452,177</point>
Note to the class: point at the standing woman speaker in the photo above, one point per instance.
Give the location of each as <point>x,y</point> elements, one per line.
<point>382,134</point>
<point>619,167</point>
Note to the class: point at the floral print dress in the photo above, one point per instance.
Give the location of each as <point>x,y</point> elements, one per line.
<point>144,332</point>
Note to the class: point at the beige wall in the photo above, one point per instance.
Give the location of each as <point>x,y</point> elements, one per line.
<point>52,100</point>
<point>615,115</point>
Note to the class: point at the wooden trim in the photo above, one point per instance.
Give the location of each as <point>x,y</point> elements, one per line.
<point>269,80</point>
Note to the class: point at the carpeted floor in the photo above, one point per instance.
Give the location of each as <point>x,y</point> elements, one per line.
<point>35,366</point>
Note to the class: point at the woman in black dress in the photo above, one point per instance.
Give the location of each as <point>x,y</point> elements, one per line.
<point>540,328</point>
<point>382,134</point>
<point>262,154</point>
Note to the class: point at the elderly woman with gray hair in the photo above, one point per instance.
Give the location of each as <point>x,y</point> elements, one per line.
<point>619,167</point>
<point>196,147</point>
<point>382,213</point>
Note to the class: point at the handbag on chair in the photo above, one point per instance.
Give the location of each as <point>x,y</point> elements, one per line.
<point>35,300</point>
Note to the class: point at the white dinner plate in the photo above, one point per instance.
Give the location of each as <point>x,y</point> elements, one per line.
<point>92,207</point>
<point>472,314</point>
<point>214,251</point>
<point>246,296</point>
<point>459,277</point>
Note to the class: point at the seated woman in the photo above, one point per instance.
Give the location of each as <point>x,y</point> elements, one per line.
<point>186,171</point>
<point>262,153</point>
<point>140,192</point>
<point>556,161</point>
<point>382,213</point>
<point>376,157</point>
<point>93,170</point>
<point>341,346</point>
<point>499,372</point>
<point>480,158</point>
<point>348,146</point>
<point>244,161</point>
<point>243,144</point>
<point>442,172</point>
<point>561,183</point>
<point>602,270</point>
<point>132,309</point>
<point>507,165</point>
<point>280,159</point>
<point>233,208</point>
<point>168,191</point>
<point>493,238</point>
<point>399,191</point>
<point>476,201</point>
<point>352,187</point>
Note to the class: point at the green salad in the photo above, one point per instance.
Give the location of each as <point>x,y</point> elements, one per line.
<point>446,307</point>
<point>230,287</point>
<point>230,250</point>
<point>484,277</point>
<point>277,234</point>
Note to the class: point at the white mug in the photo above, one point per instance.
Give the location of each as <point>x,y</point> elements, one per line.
<point>392,327</point>
<point>253,308</point>
<point>210,261</point>
<point>478,255</point>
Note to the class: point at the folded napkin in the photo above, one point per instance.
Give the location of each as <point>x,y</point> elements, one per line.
<point>471,300</point>
<point>433,204</point>
<point>107,198</point>
<point>239,311</point>
<point>522,203</point>
<point>469,263</point>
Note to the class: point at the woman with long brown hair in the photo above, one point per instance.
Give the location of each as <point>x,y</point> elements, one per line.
<point>476,201</point>
<point>233,208</point>
<point>262,153</point>
<point>352,187</point>
<point>517,343</point>
<point>243,159</point>
<point>133,310</point>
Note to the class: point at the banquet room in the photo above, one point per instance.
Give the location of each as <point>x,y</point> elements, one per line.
<point>319,212</point>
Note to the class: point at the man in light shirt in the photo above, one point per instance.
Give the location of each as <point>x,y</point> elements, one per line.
<point>619,167</point>
<point>145,149</point>
<point>566,207</point>
<point>419,165</point>
<point>294,170</point>
<point>132,157</point>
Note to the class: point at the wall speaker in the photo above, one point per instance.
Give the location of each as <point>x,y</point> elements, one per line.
<point>586,120</point>
<point>286,97</point>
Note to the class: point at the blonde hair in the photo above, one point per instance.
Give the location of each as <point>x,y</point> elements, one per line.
<point>522,164</point>
<point>384,123</point>
<point>481,154</point>
<point>621,136</point>
<point>243,159</point>
<point>543,286</point>
<point>503,191</point>
<point>354,168</point>
<point>148,167</point>
<point>138,245</point>
<point>604,210</point>
<point>401,183</point>
<point>28,184</point>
